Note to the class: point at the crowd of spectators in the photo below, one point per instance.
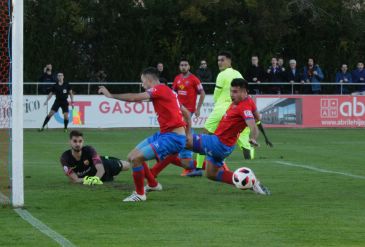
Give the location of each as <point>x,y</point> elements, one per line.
<point>304,80</point>
<point>274,79</point>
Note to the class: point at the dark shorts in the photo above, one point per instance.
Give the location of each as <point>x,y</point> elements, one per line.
<point>112,167</point>
<point>58,104</point>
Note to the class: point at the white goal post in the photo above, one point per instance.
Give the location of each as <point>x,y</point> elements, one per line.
<point>17,173</point>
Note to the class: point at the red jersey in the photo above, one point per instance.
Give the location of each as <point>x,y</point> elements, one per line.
<point>233,122</point>
<point>167,108</point>
<point>187,89</point>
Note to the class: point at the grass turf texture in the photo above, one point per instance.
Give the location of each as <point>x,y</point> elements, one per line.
<point>307,208</point>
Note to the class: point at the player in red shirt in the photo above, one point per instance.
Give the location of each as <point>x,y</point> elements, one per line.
<point>170,139</point>
<point>187,86</point>
<point>219,146</point>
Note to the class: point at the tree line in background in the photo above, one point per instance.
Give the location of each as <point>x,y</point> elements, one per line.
<point>122,37</point>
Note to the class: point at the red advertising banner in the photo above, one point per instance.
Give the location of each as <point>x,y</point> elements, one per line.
<point>305,111</point>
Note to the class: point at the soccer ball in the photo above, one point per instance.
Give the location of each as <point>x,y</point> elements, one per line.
<point>243,178</point>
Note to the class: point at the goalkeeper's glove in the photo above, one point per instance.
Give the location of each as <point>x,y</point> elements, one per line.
<point>92,180</point>
<point>86,180</point>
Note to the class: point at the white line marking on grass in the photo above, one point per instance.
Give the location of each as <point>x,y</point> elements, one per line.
<point>25,215</point>
<point>43,228</point>
<point>319,169</point>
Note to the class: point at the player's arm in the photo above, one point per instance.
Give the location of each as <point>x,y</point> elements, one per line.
<point>174,85</point>
<point>218,88</point>
<point>254,132</point>
<point>49,96</point>
<point>261,128</point>
<point>71,93</point>
<point>200,102</point>
<point>100,171</point>
<point>187,118</point>
<point>217,92</point>
<point>129,97</point>
<point>74,178</point>
<point>69,171</point>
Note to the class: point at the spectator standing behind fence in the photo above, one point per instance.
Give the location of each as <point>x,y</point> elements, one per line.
<point>46,79</point>
<point>204,73</point>
<point>293,75</point>
<point>358,75</point>
<point>281,64</point>
<point>275,75</point>
<point>313,74</point>
<point>343,76</point>
<point>162,74</point>
<point>256,74</point>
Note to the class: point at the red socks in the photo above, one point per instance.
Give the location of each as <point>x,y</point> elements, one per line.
<point>158,167</point>
<point>138,177</point>
<point>225,167</point>
<point>152,182</point>
<point>225,176</point>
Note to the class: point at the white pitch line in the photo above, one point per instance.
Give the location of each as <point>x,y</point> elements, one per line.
<point>43,228</point>
<point>320,169</point>
<point>62,241</point>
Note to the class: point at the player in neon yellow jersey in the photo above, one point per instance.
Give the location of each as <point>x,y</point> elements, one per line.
<point>222,100</point>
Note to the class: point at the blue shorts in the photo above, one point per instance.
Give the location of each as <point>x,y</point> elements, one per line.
<point>186,153</point>
<point>160,145</point>
<point>212,147</point>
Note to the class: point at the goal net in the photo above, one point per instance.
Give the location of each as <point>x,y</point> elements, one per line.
<point>5,109</point>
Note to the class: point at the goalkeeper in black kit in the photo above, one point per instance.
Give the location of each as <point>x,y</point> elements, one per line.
<point>82,164</point>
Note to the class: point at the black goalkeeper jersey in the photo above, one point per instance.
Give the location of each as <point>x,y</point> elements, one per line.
<point>83,167</point>
<point>61,91</point>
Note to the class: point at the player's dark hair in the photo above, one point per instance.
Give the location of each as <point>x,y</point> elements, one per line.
<point>151,71</point>
<point>227,54</point>
<point>184,59</point>
<point>239,82</point>
<point>76,133</point>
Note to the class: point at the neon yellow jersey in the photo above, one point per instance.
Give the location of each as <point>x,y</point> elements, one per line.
<point>222,94</point>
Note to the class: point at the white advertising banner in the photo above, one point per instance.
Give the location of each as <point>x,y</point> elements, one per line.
<point>94,111</point>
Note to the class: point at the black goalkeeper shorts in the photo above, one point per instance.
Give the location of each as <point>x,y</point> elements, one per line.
<point>112,167</point>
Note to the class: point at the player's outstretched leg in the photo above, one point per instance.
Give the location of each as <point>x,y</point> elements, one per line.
<point>159,166</point>
<point>220,175</point>
<point>259,188</point>
<point>172,159</point>
<point>214,172</point>
<point>198,171</point>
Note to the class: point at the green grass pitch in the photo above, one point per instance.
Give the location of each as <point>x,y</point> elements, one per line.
<point>307,207</point>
